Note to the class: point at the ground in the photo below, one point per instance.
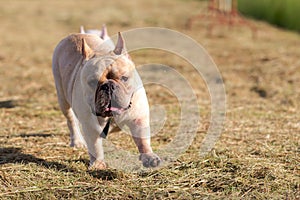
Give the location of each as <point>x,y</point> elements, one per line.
<point>256,157</point>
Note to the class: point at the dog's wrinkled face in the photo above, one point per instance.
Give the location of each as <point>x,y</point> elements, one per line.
<point>115,88</point>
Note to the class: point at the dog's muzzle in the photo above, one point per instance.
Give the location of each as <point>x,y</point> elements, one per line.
<point>105,105</point>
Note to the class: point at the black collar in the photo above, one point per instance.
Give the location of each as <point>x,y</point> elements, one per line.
<point>106,129</point>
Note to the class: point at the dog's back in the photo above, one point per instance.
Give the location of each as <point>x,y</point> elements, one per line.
<point>67,58</point>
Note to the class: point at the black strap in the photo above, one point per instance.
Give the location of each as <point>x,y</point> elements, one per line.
<point>105,130</point>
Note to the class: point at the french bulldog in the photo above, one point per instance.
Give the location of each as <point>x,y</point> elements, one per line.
<point>94,84</point>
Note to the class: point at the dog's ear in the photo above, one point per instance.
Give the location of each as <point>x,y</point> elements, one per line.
<point>82,31</point>
<point>87,52</point>
<point>120,46</point>
<point>104,34</point>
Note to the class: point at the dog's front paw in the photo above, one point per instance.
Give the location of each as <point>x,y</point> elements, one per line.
<point>150,159</point>
<point>78,144</point>
<point>97,165</point>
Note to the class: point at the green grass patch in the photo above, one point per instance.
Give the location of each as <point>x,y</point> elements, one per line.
<point>281,13</point>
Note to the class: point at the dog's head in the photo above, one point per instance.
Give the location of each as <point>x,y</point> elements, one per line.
<point>114,83</point>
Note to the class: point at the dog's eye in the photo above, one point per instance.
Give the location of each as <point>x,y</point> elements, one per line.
<point>93,83</point>
<point>124,78</point>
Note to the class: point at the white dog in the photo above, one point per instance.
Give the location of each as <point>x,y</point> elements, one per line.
<point>95,83</point>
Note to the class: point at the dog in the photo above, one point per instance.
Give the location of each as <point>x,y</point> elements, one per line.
<point>93,85</point>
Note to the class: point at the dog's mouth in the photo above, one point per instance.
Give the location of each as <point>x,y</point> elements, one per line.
<point>115,109</point>
<point>110,110</point>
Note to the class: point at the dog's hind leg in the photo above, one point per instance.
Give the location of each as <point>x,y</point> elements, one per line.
<point>76,139</point>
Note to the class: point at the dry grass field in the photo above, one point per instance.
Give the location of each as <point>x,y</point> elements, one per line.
<point>256,157</point>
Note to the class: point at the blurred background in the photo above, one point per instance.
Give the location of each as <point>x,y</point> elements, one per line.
<point>256,51</point>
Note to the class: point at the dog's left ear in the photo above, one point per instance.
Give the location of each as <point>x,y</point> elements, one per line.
<point>87,52</point>
<point>120,48</point>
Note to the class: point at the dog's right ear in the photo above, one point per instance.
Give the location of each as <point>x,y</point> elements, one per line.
<point>87,52</point>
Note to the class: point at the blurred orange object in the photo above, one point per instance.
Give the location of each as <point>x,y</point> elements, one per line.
<point>222,12</point>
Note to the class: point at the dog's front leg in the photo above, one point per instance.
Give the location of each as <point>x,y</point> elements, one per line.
<point>140,131</point>
<point>94,145</point>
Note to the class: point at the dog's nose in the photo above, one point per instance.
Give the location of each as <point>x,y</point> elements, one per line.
<point>112,86</point>
<point>109,87</point>
<point>105,87</point>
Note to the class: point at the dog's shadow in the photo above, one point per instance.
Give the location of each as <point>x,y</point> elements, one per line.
<point>8,104</point>
<point>15,155</point>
